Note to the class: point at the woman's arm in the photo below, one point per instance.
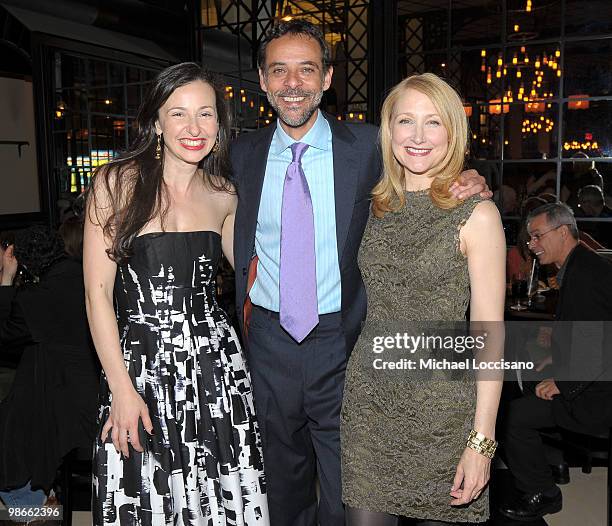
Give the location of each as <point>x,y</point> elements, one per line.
<point>484,244</point>
<point>99,272</point>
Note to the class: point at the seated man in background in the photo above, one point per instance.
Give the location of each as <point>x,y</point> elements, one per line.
<point>583,405</point>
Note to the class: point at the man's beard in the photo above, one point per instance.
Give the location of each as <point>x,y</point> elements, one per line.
<point>290,118</point>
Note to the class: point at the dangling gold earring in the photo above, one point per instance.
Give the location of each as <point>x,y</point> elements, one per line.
<point>215,147</point>
<point>158,149</point>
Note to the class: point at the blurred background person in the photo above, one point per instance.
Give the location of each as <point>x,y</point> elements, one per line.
<point>51,408</point>
<point>583,174</point>
<point>591,203</point>
<point>520,259</point>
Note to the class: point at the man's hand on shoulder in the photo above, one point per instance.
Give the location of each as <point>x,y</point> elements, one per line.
<point>470,182</point>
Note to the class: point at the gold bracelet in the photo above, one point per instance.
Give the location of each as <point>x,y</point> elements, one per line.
<point>481,444</point>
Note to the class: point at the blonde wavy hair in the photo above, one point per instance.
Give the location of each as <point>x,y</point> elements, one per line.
<point>389,194</point>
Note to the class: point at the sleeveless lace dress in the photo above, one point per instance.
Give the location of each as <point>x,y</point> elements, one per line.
<point>402,437</point>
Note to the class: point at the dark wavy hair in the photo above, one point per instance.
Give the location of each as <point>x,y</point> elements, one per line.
<point>71,231</point>
<point>132,186</point>
<point>294,27</point>
<point>37,248</point>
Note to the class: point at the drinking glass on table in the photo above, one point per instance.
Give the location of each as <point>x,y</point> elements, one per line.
<point>519,292</point>
<point>534,292</point>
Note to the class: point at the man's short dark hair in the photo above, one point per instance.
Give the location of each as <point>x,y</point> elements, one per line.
<point>294,27</point>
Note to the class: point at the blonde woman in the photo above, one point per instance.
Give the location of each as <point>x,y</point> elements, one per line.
<point>425,257</point>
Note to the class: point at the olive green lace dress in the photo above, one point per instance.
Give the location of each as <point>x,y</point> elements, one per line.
<point>402,437</point>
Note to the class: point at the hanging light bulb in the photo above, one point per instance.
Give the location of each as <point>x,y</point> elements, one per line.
<point>515,59</point>
<point>483,53</point>
<point>518,74</point>
<point>537,62</point>
<point>558,53</point>
<point>499,60</point>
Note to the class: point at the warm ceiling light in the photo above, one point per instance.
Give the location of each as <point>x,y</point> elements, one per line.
<point>574,104</point>
<point>287,14</point>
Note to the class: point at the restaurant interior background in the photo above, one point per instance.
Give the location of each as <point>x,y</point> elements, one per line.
<point>535,76</point>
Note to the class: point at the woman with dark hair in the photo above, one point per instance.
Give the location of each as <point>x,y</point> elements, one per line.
<point>51,407</point>
<point>178,440</point>
<point>71,231</point>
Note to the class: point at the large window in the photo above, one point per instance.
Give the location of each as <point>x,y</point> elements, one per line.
<point>537,83</point>
<point>230,32</point>
<point>95,105</point>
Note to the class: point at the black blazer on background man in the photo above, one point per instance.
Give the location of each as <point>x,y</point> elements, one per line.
<point>357,168</point>
<point>585,295</point>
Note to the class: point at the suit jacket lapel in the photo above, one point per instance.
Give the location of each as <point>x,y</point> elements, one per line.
<point>346,159</point>
<point>256,163</point>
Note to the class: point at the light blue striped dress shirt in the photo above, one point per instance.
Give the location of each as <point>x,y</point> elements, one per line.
<point>318,165</point>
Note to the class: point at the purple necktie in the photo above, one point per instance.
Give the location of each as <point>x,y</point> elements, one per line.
<point>299,312</point>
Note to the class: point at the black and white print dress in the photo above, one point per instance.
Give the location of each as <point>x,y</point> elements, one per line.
<point>203,464</point>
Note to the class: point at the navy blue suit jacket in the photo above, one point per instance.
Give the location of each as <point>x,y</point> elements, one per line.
<point>357,168</point>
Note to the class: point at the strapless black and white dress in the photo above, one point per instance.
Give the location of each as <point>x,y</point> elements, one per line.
<point>203,464</point>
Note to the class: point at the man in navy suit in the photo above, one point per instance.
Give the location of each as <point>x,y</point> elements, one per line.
<point>304,185</point>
